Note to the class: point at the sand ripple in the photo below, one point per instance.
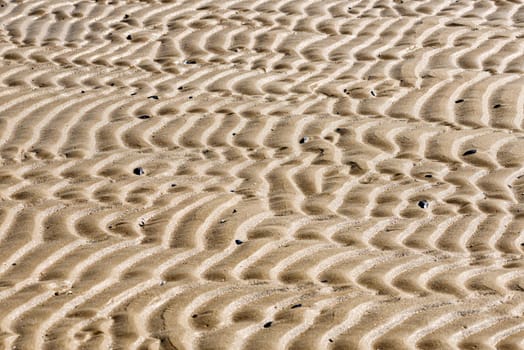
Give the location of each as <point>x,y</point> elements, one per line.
<point>317,174</point>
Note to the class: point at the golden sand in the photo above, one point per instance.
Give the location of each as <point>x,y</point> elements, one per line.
<point>262,174</point>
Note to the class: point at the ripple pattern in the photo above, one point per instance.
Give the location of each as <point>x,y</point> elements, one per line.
<point>317,174</point>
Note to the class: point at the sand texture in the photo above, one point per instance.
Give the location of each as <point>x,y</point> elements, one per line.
<point>262,174</point>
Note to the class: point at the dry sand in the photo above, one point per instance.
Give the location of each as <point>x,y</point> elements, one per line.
<point>317,174</point>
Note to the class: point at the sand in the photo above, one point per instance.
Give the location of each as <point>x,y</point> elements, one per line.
<point>262,174</point>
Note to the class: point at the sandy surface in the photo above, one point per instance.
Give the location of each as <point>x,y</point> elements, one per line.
<point>262,174</point>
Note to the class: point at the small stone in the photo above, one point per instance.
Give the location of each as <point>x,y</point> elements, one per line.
<point>469,152</point>
<point>459,100</point>
<point>194,316</point>
<point>331,340</point>
<point>154,97</point>
<point>296,306</point>
<point>234,211</point>
<point>428,176</point>
<point>133,93</point>
<point>162,283</point>
<point>138,171</point>
<point>222,221</point>
<point>373,93</point>
<point>189,62</point>
<point>238,242</point>
<point>180,87</point>
<point>423,204</point>
<point>304,139</point>
<point>129,37</point>
<point>144,117</point>
<point>268,324</point>
<point>173,185</point>
<point>190,97</point>
<point>83,92</point>
<point>498,105</point>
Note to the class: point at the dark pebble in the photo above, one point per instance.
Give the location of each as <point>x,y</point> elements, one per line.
<point>296,305</point>
<point>129,37</point>
<point>190,97</point>
<point>373,93</point>
<point>138,171</point>
<point>126,16</point>
<point>133,93</point>
<point>331,340</point>
<point>428,175</point>
<point>469,152</point>
<point>324,281</point>
<point>423,204</point>
<point>238,242</point>
<point>268,324</point>
<point>144,117</point>
<point>459,101</point>
<point>189,62</point>
<point>194,315</point>
<point>180,87</point>
<point>304,139</point>
<point>173,185</point>
<point>154,97</point>
<point>498,105</point>
<point>234,211</point>
<point>83,91</point>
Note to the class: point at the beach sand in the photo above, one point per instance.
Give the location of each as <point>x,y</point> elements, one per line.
<point>262,174</point>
